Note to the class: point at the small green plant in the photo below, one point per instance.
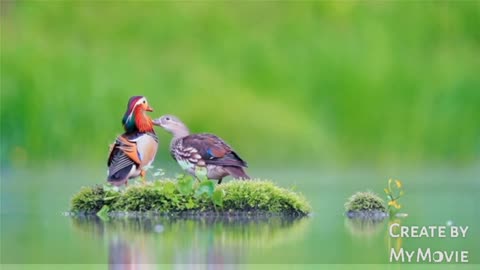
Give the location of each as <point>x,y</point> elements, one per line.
<point>365,201</point>
<point>394,191</point>
<point>185,194</point>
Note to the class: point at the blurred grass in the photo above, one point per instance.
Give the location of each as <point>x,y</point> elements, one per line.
<point>306,83</point>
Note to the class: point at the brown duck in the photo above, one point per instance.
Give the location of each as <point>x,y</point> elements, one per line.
<point>203,150</point>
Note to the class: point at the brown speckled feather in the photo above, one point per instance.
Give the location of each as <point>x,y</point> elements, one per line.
<point>213,150</point>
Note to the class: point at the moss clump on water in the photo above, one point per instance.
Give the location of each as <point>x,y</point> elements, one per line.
<point>89,199</point>
<point>187,195</point>
<point>263,195</point>
<point>365,202</point>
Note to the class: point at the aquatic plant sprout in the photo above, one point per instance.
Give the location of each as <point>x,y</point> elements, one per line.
<point>394,191</point>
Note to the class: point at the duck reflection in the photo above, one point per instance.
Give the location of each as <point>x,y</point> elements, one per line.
<point>220,242</point>
<point>124,252</point>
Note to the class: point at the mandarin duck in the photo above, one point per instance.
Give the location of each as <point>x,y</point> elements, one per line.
<point>133,151</point>
<point>202,151</point>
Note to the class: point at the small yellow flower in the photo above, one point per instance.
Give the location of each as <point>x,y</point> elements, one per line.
<point>394,203</point>
<point>398,183</point>
<point>387,191</point>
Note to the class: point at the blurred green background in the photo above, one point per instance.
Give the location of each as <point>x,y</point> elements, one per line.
<point>307,83</point>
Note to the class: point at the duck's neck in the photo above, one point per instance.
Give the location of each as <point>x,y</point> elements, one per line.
<point>138,122</point>
<point>180,133</point>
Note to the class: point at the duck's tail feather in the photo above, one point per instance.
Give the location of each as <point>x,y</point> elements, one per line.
<point>237,172</point>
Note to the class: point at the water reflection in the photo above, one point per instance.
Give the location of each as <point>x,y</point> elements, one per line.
<point>364,226</point>
<point>206,240</point>
<point>394,243</point>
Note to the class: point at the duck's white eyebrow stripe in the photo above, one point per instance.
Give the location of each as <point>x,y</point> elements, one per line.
<point>140,101</point>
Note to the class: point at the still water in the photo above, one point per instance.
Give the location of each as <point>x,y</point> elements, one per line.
<point>35,231</point>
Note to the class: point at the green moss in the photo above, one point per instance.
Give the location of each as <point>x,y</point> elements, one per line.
<point>365,201</point>
<point>89,199</point>
<point>188,196</point>
<point>262,195</point>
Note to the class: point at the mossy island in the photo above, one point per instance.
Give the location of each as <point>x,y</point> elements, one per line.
<point>187,196</point>
<point>365,205</point>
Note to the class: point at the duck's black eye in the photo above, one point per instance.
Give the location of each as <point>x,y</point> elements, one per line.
<point>144,101</point>
<point>168,118</point>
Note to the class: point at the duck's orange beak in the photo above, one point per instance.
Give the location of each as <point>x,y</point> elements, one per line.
<point>148,108</point>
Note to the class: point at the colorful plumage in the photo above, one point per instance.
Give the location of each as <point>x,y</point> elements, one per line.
<point>202,150</point>
<point>135,149</point>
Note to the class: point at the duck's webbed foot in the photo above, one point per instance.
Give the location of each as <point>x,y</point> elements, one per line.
<point>142,175</point>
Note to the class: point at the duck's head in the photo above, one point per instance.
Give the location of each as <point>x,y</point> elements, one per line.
<point>172,124</point>
<point>135,118</point>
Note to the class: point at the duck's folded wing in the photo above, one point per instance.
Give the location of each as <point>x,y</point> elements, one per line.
<point>123,156</point>
<point>212,150</point>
